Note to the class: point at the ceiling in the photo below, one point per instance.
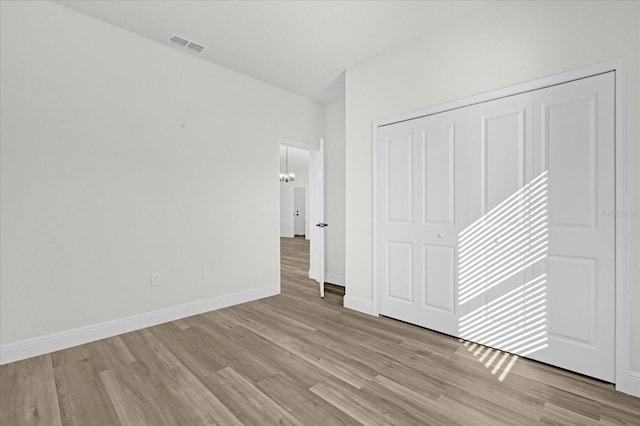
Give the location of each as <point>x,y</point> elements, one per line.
<point>300,46</point>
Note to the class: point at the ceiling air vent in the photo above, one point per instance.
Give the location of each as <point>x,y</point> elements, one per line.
<point>197,48</point>
<point>185,44</point>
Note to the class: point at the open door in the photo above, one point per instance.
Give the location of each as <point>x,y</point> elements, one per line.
<point>321,255</point>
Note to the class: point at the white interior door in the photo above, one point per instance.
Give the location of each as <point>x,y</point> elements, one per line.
<point>498,249</point>
<point>299,210</point>
<point>321,225</point>
<point>442,192</point>
<point>399,213</point>
<point>574,125</point>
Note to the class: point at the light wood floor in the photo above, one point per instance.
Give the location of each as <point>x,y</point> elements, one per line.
<point>297,359</point>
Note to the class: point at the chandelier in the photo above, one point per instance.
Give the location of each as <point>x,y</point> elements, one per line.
<point>286,176</point>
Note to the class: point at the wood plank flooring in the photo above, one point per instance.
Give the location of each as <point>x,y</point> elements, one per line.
<point>300,360</point>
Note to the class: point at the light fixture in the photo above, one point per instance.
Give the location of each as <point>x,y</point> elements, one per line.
<point>286,176</point>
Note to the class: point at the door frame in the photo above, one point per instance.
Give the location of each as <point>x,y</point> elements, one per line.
<point>625,381</point>
<point>316,198</point>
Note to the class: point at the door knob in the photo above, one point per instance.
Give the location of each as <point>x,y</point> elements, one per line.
<point>440,235</point>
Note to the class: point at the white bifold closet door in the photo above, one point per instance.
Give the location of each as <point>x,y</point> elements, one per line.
<point>421,212</point>
<point>398,221</point>
<point>490,224</point>
<point>575,143</point>
<point>497,249</point>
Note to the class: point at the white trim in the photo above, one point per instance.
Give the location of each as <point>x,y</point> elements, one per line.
<point>360,305</point>
<point>278,229</point>
<point>296,144</point>
<point>66,339</point>
<point>335,279</point>
<point>321,232</point>
<point>625,381</point>
<point>330,278</point>
<point>375,279</point>
<point>623,375</point>
<point>634,385</point>
<point>313,275</point>
<point>507,91</point>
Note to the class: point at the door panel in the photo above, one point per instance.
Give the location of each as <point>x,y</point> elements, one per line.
<point>577,276</point>
<point>439,281</point>
<point>442,146</point>
<point>575,134</point>
<point>503,138</point>
<point>398,231</point>
<point>400,271</point>
<point>496,251</point>
<point>399,179</point>
<point>439,175</point>
<point>567,134</point>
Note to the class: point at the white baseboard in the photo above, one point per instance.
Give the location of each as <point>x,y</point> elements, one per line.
<point>66,339</point>
<point>336,279</point>
<point>634,384</point>
<point>360,305</point>
<point>328,278</point>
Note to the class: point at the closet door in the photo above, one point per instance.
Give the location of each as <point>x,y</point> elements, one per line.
<point>495,250</point>
<point>442,187</point>
<point>398,221</point>
<point>574,128</point>
<point>496,224</point>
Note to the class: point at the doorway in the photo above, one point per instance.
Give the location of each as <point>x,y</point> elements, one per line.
<point>299,211</point>
<point>290,161</point>
<point>299,201</point>
<point>295,192</point>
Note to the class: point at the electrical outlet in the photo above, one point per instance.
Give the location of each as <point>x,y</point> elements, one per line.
<point>206,271</point>
<point>155,278</point>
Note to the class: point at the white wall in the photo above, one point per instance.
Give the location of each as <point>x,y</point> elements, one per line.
<point>334,138</point>
<point>502,44</point>
<point>121,157</point>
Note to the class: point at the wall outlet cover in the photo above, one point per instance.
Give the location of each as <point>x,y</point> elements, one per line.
<point>155,278</point>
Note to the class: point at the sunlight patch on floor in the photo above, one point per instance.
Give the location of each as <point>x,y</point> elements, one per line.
<point>502,362</point>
